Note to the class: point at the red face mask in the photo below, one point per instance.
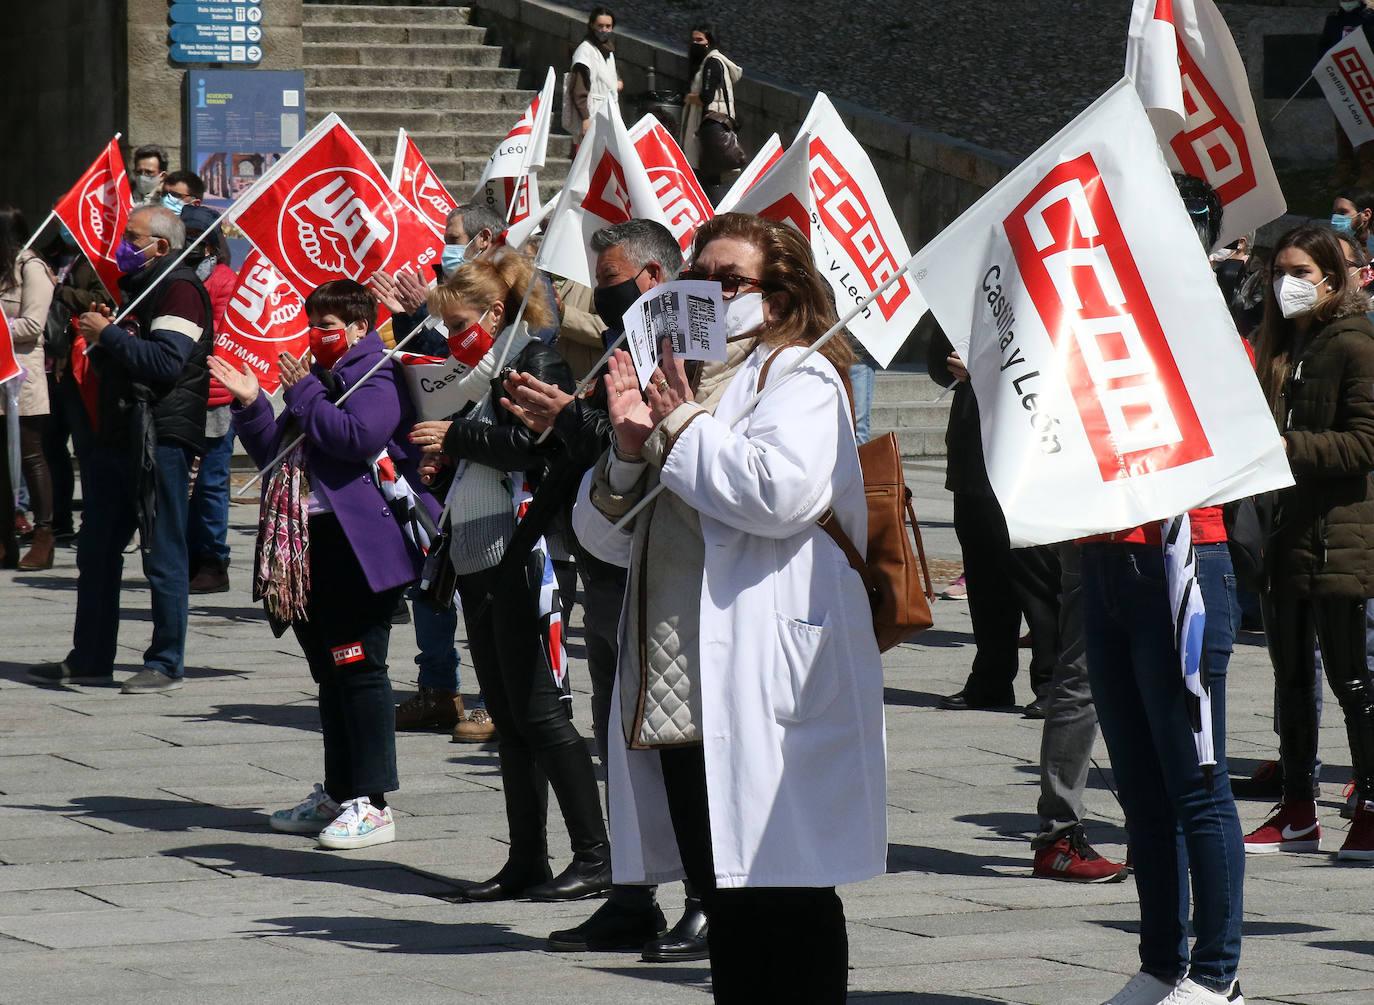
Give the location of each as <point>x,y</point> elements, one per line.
<point>328,345</point>
<point>472,343</point>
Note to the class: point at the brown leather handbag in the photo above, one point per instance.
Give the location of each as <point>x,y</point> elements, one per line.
<point>896,577</point>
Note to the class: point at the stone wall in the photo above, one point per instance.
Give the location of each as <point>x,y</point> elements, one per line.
<point>929,178</point>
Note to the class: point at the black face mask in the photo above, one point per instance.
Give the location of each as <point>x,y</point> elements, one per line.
<point>613,301</point>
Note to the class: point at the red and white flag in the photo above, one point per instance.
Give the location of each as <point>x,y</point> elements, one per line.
<point>767,156</point>
<point>1346,76</point>
<point>684,204</point>
<point>325,211</point>
<point>1112,387</point>
<point>9,365</point>
<point>96,211</point>
<point>825,186</point>
<point>508,186</point>
<point>412,176</point>
<point>1185,65</point>
<point>606,184</point>
<point>265,316</point>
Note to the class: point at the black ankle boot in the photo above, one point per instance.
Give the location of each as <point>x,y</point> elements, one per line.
<point>685,941</point>
<point>511,883</point>
<point>611,927</point>
<point>568,768</point>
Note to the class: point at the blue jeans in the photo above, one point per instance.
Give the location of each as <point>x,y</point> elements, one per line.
<point>434,631</point>
<point>862,379</point>
<point>108,524</point>
<point>207,529</point>
<point>1179,825</point>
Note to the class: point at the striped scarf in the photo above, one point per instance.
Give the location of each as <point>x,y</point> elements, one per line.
<point>281,578</point>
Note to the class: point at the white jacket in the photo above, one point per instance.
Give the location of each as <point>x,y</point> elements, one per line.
<point>791,679</point>
<point>604,83</point>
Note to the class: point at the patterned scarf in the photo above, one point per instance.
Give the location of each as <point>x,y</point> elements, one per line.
<point>281,578</point>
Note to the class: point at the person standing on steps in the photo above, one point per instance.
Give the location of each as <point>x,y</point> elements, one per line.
<point>592,79</point>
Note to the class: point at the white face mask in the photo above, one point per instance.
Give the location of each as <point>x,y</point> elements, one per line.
<point>743,313</point>
<point>1296,296</point>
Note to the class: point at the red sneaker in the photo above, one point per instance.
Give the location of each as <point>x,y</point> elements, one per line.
<point>1359,843</point>
<point>1073,860</point>
<point>1293,827</point>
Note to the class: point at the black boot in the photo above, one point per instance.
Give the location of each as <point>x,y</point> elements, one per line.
<point>685,941</point>
<point>568,768</point>
<point>612,926</point>
<point>527,802</point>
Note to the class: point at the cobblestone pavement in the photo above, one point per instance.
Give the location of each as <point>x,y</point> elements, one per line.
<point>136,864</point>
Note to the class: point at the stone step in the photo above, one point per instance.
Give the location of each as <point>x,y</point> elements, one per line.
<point>319,13</point>
<point>909,416</point>
<point>895,387</point>
<point>510,103</point>
<point>420,119</point>
<point>395,79</point>
<point>439,146</point>
<point>452,57</point>
<point>916,443</point>
<point>349,33</point>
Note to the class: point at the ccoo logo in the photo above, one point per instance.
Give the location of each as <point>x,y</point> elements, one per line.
<point>337,223</point>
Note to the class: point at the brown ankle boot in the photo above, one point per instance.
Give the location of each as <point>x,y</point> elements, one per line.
<point>39,555</point>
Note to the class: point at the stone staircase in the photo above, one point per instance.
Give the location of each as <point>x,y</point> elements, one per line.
<point>425,68</point>
<point>909,403</point>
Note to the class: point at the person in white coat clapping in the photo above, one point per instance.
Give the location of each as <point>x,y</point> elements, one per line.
<point>749,688</point>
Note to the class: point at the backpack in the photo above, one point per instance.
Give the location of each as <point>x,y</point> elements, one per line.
<point>892,574</point>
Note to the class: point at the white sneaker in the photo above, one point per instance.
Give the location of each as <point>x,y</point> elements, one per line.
<point>1190,993</point>
<point>359,825</point>
<point>310,816</point>
<point>1142,989</point>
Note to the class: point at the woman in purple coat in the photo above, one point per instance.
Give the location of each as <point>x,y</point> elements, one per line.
<point>332,558</point>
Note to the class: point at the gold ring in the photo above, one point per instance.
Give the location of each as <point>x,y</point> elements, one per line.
<point>662,386</point>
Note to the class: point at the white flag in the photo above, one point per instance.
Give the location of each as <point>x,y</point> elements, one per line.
<point>1112,387</point>
<point>763,160</point>
<point>606,184</point>
<point>521,153</point>
<point>1188,72</point>
<point>1346,75</point>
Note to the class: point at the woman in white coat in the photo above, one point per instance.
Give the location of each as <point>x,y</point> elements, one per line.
<point>749,686</point>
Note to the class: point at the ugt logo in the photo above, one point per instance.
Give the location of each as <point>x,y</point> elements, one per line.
<point>1079,271</point>
<point>343,224</point>
<point>265,306</point>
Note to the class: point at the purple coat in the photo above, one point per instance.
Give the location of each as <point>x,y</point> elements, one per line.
<point>341,442</point>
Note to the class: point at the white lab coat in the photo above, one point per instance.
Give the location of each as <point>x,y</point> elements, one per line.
<point>791,678</point>
<point>602,75</point>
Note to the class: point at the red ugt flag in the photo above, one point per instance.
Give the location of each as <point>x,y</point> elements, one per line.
<point>96,211</point>
<point>325,211</point>
<point>265,316</point>
<point>412,176</point>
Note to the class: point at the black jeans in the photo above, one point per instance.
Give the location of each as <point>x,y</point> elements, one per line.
<point>345,639</point>
<point>67,419</point>
<point>768,943</point>
<point>1003,583</point>
<point>1339,625</point>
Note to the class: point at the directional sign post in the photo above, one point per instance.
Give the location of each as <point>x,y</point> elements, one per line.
<point>216,31</point>
<point>217,12</point>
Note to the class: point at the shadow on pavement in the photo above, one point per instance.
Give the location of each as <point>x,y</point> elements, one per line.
<point>1365,948</point>
<point>153,814</point>
<point>696,974</point>
<point>396,935</point>
<point>1020,826</point>
<point>916,997</point>
<point>910,699</point>
<point>292,716</point>
<point>315,865</point>
<point>935,638</point>
<point>918,858</point>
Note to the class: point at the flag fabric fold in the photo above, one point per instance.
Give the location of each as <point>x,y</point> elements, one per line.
<point>543,585</point>
<point>418,185</point>
<point>508,186</point>
<point>265,317</point>
<point>96,212</point>
<point>680,196</point>
<point>1190,623</point>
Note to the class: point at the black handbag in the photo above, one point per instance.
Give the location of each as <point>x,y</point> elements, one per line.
<point>721,150</point>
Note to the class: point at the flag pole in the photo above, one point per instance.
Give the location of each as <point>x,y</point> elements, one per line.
<point>52,213</point>
<point>427,323</point>
<point>782,375</point>
<point>1290,100</point>
<point>585,381</point>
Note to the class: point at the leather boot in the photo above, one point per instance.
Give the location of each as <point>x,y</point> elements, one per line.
<point>39,555</point>
<point>685,941</point>
<point>569,770</point>
<point>611,927</point>
<point>211,575</point>
<point>527,802</point>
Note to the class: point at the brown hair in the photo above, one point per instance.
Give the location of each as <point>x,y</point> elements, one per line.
<point>502,277</point>
<point>1274,338</point>
<point>345,299</point>
<point>789,272</point>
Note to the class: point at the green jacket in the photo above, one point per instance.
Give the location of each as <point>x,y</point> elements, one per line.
<point>1323,543</point>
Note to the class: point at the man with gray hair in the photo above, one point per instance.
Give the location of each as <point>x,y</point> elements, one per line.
<point>631,259</point>
<point>137,474</point>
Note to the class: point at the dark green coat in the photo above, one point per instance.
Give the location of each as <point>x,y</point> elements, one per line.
<point>1324,527</point>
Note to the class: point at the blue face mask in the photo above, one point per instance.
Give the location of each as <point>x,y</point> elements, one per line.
<point>453,256</point>
<point>173,203</point>
<point>1340,223</point>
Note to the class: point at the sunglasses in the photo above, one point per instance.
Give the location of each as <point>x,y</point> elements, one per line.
<point>730,282</point>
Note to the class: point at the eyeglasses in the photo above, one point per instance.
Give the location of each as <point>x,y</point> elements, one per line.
<point>182,196</point>
<point>133,237</point>
<point>730,282</point>
<point>147,173</point>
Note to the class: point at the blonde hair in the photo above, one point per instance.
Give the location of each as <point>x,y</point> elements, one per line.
<point>503,277</point>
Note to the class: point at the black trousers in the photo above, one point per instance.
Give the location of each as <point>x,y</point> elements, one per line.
<point>345,639</point>
<point>1003,583</point>
<point>768,943</point>
<point>1339,625</point>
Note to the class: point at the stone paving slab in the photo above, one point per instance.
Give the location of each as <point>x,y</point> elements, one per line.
<point>136,864</point>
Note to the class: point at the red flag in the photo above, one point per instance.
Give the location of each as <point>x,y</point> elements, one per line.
<point>9,366</point>
<point>96,211</point>
<point>684,204</point>
<point>86,378</point>
<point>325,211</point>
<point>265,316</point>
<point>412,176</point>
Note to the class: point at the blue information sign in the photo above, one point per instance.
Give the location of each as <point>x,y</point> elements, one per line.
<point>240,123</point>
<point>223,34</point>
<point>217,12</point>
<point>215,52</point>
